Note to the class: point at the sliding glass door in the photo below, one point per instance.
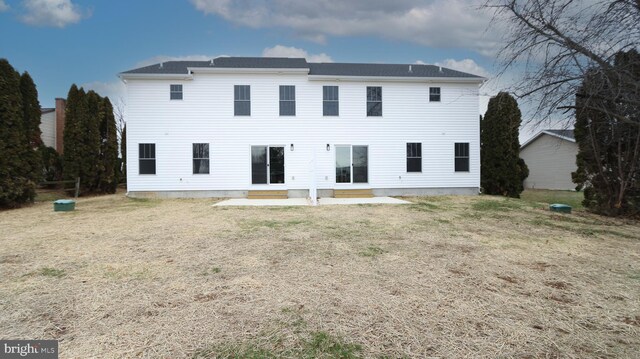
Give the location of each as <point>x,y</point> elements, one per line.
<point>267,165</point>
<point>352,164</point>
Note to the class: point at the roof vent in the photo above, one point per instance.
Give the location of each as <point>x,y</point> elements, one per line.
<point>410,69</point>
<point>161,64</point>
<point>211,63</point>
<point>440,68</point>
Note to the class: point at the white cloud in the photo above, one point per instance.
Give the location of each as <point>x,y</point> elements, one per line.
<point>466,65</point>
<point>56,13</point>
<point>115,90</point>
<point>438,23</point>
<point>3,6</point>
<point>289,51</point>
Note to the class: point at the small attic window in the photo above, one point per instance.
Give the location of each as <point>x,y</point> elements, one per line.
<point>175,92</point>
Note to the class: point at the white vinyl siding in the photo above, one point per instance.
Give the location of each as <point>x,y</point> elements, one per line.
<point>206,115</point>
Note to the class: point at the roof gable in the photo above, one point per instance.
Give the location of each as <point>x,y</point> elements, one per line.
<point>566,135</point>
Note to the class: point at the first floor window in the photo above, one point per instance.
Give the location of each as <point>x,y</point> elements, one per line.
<point>414,157</point>
<point>462,156</point>
<point>374,101</point>
<point>175,92</point>
<point>434,94</point>
<point>147,158</point>
<point>200,158</point>
<point>287,100</point>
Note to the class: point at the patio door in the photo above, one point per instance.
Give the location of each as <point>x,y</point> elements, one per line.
<point>267,165</point>
<point>352,164</point>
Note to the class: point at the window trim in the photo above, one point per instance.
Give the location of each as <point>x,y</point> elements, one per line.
<point>337,100</point>
<point>172,92</point>
<point>368,101</point>
<point>439,94</point>
<point>154,159</point>
<point>468,156</point>
<point>235,100</point>
<point>407,157</point>
<point>280,93</point>
<point>193,159</point>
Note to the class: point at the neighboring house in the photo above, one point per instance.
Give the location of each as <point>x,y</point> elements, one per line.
<point>232,125</point>
<point>551,157</point>
<point>52,125</point>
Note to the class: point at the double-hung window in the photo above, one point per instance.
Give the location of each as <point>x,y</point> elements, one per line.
<point>200,158</point>
<point>462,157</point>
<point>242,100</point>
<point>330,102</point>
<point>374,101</point>
<point>414,157</point>
<point>287,100</point>
<point>175,92</point>
<point>434,94</point>
<point>147,158</point>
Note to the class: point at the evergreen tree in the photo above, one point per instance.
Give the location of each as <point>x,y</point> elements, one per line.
<point>609,145</point>
<point>73,134</point>
<point>16,186</point>
<point>109,148</point>
<point>31,121</point>
<point>92,163</point>
<point>123,152</point>
<point>502,170</point>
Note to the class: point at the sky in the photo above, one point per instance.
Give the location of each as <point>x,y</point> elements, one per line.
<point>62,42</point>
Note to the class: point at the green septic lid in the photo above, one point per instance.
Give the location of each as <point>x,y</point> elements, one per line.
<point>64,201</point>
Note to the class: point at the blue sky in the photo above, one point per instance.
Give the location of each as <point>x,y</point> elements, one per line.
<point>61,42</point>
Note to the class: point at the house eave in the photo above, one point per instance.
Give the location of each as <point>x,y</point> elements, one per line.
<point>544,132</point>
<point>477,80</point>
<point>133,76</point>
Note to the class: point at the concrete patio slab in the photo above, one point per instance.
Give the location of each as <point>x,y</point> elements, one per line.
<point>264,202</point>
<point>373,200</point>
<point>305,202</point>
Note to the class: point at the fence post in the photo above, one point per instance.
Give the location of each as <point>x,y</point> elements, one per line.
<point>77,187</point>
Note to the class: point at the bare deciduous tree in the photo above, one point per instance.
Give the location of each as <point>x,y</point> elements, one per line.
<point>553,44</point>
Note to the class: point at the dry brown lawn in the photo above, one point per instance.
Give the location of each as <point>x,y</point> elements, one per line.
<point>450,277</point>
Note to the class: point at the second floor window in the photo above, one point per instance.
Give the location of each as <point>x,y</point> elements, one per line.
<point>147,158</point>
<point>242,100</point>
<point>414,157</point>
<point>330,102</point>
<point>434,94</point>
<point>287,100</point>
<point>200,158</point>
<point>175,92</point>
<point>374,101</point>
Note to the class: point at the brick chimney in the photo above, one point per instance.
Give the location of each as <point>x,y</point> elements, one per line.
<point>61,105</point>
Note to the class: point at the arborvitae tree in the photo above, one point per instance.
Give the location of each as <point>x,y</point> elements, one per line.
<point>76,110</point>
<point>16,186</point>
<point>109,149</point>
<point>502,170</point>
<point>31,122</point>
<point>90,142</point>
<point>123,151</point>
<point>608,136</point>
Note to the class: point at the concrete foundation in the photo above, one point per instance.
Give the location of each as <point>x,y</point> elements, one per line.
<point>303,193</point>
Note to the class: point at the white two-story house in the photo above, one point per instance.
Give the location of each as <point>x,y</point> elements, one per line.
<point>225,127</point>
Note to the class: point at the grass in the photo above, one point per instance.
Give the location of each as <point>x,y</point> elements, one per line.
<point>450,277</point>
<point>51,272</point>
<point>572,198</point>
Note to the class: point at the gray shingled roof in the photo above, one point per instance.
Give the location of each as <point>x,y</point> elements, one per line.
<point>329,69</point>
<point>563,133</point>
